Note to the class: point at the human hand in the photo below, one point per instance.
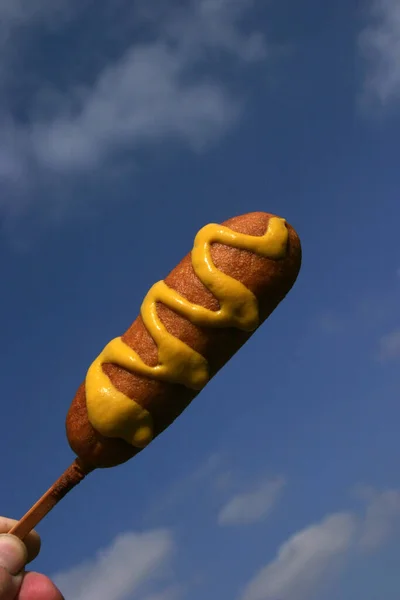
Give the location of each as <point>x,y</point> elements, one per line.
<point>15,582</point>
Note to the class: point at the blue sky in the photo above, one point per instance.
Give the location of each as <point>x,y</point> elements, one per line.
<point>124,130</point>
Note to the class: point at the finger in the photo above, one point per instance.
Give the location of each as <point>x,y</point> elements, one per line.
<point>32,540</point>
<point>38,587</point>
<point>8,587</point>
<point>13,556</point>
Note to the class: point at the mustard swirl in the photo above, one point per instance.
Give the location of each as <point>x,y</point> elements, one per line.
<point>112,413</point>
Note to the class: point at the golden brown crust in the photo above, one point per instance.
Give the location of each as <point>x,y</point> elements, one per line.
<point>269,280</point>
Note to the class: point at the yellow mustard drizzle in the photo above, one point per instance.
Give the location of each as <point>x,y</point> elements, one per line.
<point>112,413</point>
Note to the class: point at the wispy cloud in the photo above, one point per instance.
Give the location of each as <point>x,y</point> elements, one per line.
<point>165,86</point>
<point>370,311</point>
<point>380,47</point>
<point>389,346</point>
<point>303,561</point>
<point>130,564</point>
<point>200,482</point>
<point>312,556</point>
<point>330,322</point>
<point>218,484</point>
<point>382,518</point>
<point>15,12</point>
<point>139,565</point>
<point>252,505</point>
<point>141,99</point>
<point>372,316</point>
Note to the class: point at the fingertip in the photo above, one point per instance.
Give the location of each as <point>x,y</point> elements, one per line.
<point>36,586</point>
<point>13,553</point>
<point>32,540</point>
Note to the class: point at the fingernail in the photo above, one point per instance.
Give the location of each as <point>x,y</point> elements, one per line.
<point>13,554</point>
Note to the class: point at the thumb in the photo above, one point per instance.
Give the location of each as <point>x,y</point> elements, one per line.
<point>13,557</point>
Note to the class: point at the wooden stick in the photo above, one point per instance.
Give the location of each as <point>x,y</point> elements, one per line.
<point>68,480</point>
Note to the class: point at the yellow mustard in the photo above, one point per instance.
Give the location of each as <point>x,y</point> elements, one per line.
<point>112,413</point>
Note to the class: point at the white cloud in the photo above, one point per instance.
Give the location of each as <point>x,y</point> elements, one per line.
<point>380,46</point>
<point>138,565</point>
<point>382,519</point>
<point>304,561</point>
<point>14,12</point>
<point>171,84</point>
<point>132,561</point>
<point>389,346</point>
<point>214,24</point>
<point>312,557</point>
<point>20,10</point>
<point>19,19</point>
<point>253,505</point>
<point>140,99</point>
